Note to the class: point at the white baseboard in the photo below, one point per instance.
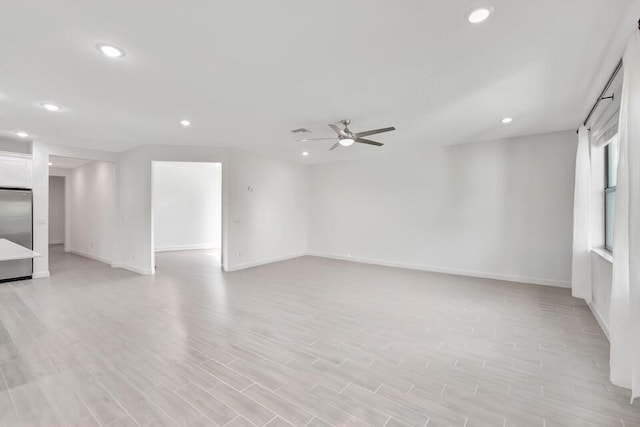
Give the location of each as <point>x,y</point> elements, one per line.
<point>90,256</point>
<point>447,270</point>
<point>40,274</point>
<point>145,271</point>
<point>433,269</point>
<point>263,262</point>
<point>600,319</point>
<point>56,242</point>
<point>202,246</point>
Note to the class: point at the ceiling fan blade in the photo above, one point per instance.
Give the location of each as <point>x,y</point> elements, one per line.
<point>316,139</point>
<point>373,132</point>
<point>368,141</point>
<point>334,146</point>
<point>338,130</point>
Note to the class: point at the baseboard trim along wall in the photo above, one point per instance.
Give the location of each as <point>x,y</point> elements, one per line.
<point>446,270</point>
<point>40,274</point>
<point>88,255</point>
<point>145,271</point>
<point>203,246</point>
<point>246,265</point>
<point>603,324</point>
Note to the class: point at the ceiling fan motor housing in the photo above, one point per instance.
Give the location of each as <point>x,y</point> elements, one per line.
<point>347,138</point>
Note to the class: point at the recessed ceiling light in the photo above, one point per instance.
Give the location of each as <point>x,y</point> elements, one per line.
<point>507,120</point>
<point>22,134</point>
<point>50,164</point>
<point>479,15</point>
<point>185,123</point>
<point>345,142</point>
<point>50,107</point>
<point>305,153</point>
<point>110,51</point>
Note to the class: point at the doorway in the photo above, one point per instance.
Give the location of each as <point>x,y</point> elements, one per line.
<point>57,184</point>
<point>186,214</point>
<point>82,211</point>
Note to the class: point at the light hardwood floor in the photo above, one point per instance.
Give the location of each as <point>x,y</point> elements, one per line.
<point>304,342</point>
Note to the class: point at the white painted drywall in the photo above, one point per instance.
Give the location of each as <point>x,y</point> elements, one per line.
<point>601,279</point>
<point>53,171</point>
<point>10,144</point>
<point>56,209</point>
<point>259,226</point>
<point>495,209</point>
<point>500,209</point>
<point>92,209</point>
<point>268,209</point>
<point>187,205</point>
<point>41,153</point>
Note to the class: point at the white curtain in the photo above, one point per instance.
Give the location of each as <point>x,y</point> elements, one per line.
<point>581,265</point>
<point>624,321</point>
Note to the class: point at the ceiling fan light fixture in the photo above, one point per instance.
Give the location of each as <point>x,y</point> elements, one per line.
<point>346,142</point>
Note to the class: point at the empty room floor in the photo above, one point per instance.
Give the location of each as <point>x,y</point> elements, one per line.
<point>303,342</point>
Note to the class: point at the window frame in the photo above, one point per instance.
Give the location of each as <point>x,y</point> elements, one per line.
<point>607,190</point>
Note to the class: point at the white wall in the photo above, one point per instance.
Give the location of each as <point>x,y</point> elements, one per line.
<point>266,224</point>
<point>495,209</point>
<point>56,209</point>
<point>41,153</point>
<point>92,210</point>
<point>500,209</point>
<point>602,280</point>
<point>63,172</point>
<point>187,205</point>
<point>268,209</point>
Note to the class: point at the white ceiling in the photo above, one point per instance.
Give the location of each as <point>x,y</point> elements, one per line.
<point>245,72</point>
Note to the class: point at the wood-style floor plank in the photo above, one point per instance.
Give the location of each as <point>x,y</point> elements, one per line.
<point>306,342</point>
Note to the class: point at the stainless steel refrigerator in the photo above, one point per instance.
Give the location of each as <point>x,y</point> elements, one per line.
<point>16,225</point>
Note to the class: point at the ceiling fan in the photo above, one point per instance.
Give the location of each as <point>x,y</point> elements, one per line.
<point>347,138</point>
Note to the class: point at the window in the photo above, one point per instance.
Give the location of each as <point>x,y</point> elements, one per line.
<point>610,176</point>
